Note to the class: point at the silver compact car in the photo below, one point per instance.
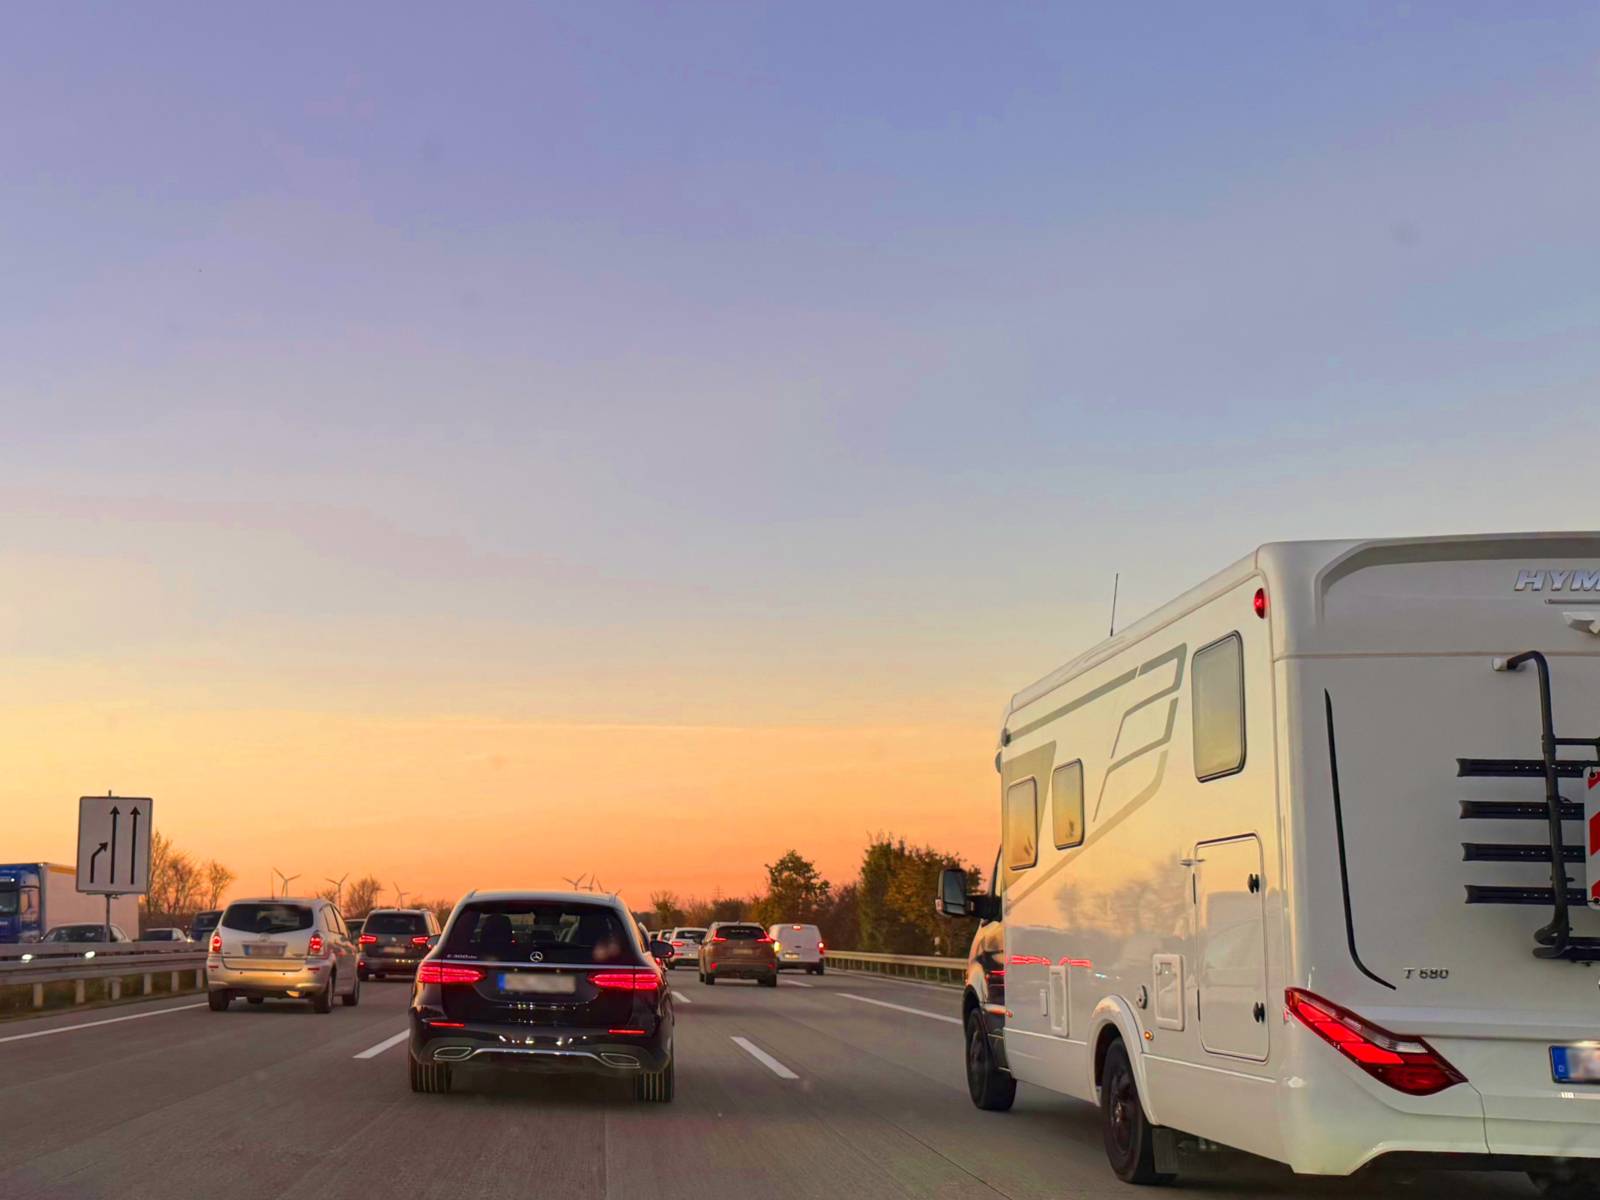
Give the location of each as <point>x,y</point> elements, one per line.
<point>282,949</point>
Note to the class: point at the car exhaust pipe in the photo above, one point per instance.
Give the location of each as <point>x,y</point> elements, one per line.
<point>452,1053</point>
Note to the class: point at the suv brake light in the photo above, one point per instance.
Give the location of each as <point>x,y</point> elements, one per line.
<point>368,939</point>
<point>626,981</point>
<point>1407,1064</point>
<point>419,941</point>
<point>763,941</point>
<point>216,943</point>
<point>719,938</point>
<point>443,972</point>
<point>314,948</point>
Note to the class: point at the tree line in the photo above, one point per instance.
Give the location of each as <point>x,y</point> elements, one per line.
<point>886,909</point>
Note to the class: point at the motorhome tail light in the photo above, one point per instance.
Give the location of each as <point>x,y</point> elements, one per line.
<point>369,939</point>
<point>419,940</point>
<point>1407,1064</point>
<point>443,972</point>
<point>315,948</point>
<point>1261,602</point>
<point>216,943</point>
<point>626,981</point>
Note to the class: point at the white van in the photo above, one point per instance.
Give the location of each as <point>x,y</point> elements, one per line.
<point>799,947</point>
<point>1275,867</point>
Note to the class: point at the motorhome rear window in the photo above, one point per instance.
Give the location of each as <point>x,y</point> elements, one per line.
<point>1022,824</point>
<point>1218,707</point>
<point>1066,805</point>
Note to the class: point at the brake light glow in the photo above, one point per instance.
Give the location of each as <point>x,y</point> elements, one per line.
<point>1260,603</point>
<point>626,981</point>
<point>447,1024</point>
<point>796,928</point>
<point>719,938</point>
<point>1407,1064</point>
<point>216,943</point>
<point>821,947</point>
<point>677,943</point>
<point>443,972</point>
<point>368,939</point>
<point>763,941</point>
<point>314,947</point>
<point>419,941</point>
<point>628,1032</point>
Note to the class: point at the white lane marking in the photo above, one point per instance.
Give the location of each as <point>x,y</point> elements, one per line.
<point>681,997</point>
<point>374,1051</point>
<point>921,1012</point>
<point>21,1037</point>
<point>794,983</point>
<point>765,1059</point>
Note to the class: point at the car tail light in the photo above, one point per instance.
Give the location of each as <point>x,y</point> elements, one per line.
<point>443,972</point>
<point>628,1032</point>
<point>821,947</point>
<point>368,939</point>
<point>1407,1064</point>
<point>216,943</point>
<point>419,941</point>
<point>677,943</point>
<point>719,938</point>
<point>314,948</point>
<point>764,941</point>
<point>446,1024</point>
<point>626,981</point>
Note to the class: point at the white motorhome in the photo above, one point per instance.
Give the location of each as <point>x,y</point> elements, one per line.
<point>1275,866</point>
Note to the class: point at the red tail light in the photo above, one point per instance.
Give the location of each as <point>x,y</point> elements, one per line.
<point>719,938</point>
<point>419,941</point>
<point>763,941</point>
<point>1260,602</point>
<point>628,1032</point>
<point>820,947</point>
<point>1407,1064</point>
<point>368,939</point>
<point>216,943</point>
<point>626,981</point>
<point>677,943</point>
<point>314,948</point>
<point>443,972</point>
<point>445,1024</point>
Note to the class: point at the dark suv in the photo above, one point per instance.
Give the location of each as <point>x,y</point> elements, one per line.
<point>547,981</point>
<point>738,950</point>
<point>394,940</point>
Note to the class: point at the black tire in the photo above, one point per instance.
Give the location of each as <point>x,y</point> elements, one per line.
<point>431,1078</point>
<point>991,1089</point>
<point>709,979</point>
<point>656,1087</point>
<point>354,998</point>
<point>322,1002</point>
<point>1130,1138</point>
<point>1568,1181</point>
<point>219,1000</point>
<point>770,980</point>
<point>256,999</point>
<point>378,975</point>
<point>821,968</point>
<point>362,973</point>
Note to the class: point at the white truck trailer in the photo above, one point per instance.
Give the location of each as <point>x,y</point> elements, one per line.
<point>1307,863</point>
<point>35,897</point>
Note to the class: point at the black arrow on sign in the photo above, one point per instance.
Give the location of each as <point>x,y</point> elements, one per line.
<point>133,848</point>
<point>114,812</point>
<point>92,859</point>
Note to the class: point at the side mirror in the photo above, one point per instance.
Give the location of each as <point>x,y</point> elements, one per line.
<point>952,898</point>
<point>659,950</point>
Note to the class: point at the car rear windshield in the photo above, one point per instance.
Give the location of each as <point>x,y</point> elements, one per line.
<point>741,933</point>
<point>538,931</point>
<point>267,918</point>
<point>691,935</point>
<point>412,923</point>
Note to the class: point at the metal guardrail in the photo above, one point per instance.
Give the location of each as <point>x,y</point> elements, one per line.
<point>915,966</point>
<point>42,965</point>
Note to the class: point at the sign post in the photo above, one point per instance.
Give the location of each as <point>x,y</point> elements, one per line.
<point>114,847</point>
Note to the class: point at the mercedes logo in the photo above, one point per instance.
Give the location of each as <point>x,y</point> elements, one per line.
<point>536,956</point>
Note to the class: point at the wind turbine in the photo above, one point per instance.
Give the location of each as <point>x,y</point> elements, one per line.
<point>575,884</point>
<point>287,879</point>
<point>399,897</point>
<point>338,889</point>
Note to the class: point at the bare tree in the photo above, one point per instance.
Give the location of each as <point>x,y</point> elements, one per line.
<point>361,896</point>
<point>218,879</point>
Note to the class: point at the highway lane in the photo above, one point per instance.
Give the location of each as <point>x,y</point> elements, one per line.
<point>276,1101</point>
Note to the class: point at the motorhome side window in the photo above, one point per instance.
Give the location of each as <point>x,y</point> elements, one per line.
<point>1218,706</point>
<point>1066,805</point>
<point>1022,824</point>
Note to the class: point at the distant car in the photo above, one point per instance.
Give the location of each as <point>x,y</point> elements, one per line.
<point>204,922</point>
<point>685,942</point>
<point>84,933</point>
<point>545,981</point>
<point>738,950</point>
<point>282,948</point>
<point>394,940</point>
<point>798,947</point>
<point>165,934</point>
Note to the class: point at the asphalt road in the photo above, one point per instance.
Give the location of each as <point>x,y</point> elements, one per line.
<point>840,1086</point>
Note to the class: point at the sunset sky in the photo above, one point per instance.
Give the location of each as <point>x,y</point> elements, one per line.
<point>641,439</point>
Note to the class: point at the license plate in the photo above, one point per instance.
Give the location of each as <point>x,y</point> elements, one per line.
<point>548,985</point>
<point>1575,1064</point>
<point>394,949</point>
<point>264,950</point>
<point>790,954</point>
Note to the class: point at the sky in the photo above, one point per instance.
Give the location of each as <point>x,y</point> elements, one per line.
<point>477,448</point>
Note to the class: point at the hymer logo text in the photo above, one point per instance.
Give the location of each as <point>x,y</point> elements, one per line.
<point>1558,581</point>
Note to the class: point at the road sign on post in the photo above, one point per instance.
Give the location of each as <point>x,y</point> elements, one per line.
<point>114,844</point>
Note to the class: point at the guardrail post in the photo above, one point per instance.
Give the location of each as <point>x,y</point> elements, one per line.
<point>149,984</point>
<point>114,988</point>
<point>77,991</point>
<point>38,995</point>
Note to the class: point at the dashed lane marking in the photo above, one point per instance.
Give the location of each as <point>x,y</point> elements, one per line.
<point>765,1059</point>
<point>921,1012</point>
<point>39,1033</point>
<point>374,1051</point>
